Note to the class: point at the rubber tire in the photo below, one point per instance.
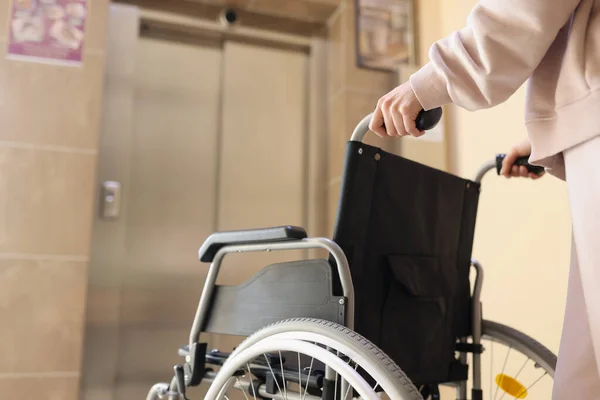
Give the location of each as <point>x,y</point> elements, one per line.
<point>342,335</point>
<point>522,343</point>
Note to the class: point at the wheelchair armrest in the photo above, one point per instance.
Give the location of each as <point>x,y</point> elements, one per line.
<point>249,236</point>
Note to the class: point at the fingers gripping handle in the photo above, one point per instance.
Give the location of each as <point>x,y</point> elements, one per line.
<point>426,120</point>
<point>521,161</point>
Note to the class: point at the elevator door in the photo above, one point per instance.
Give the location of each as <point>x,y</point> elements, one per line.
<point>262,174</point>
<point>202,135</point>
<point>171,204</point>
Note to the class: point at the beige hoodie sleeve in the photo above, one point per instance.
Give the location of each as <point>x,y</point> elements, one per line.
<point>483,64</point>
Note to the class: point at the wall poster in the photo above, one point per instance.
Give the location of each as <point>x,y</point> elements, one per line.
<point>385,34</point>
<point>48,31</point>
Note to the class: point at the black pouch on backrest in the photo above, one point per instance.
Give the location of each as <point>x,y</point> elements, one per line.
<point>407,230</point>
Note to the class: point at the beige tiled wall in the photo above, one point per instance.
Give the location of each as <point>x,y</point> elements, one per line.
<point>353,93</point>
<point>49,118</point>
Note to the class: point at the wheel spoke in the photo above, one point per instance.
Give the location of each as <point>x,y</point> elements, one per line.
<point>312,360</point>
<point>492,368</point>
<point>504,394</point>
<point>273,373</point>
<point>522,367</point>
<point>349,387</point>
<point>515,377</point>
<point>243,391</point>
<point>506,360</point>
<point>335,386</point>
<point>503,369</point>
<point>534,383</point>
<point>251,384</point>
<point>283,377</point>
<point>299,375</point>
<point>377,385</point>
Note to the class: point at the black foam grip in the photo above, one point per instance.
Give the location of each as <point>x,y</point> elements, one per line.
<point>521,161</point>
<point>427,120</point>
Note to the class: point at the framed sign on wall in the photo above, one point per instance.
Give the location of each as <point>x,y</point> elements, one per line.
<point>385,34</point>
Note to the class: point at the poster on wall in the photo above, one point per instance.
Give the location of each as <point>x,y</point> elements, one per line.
<point>384,34</point>
<point>48,31</point>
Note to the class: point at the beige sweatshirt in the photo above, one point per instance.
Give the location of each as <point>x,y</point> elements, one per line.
<point>555,45</point>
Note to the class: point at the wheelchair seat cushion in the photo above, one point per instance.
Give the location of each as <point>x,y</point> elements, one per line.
<point>249,236</point>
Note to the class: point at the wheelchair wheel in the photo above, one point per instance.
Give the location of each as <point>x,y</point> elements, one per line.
<point>513,365</point>
<point>309,359</point>
<point>518,366</point>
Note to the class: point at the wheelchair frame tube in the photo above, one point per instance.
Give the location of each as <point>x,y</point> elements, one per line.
<point>485,168</point>
<point>477,320</point>
<point>361,129</point>
<point>477,323</point>
<point>157,390</point>
<point>310,243</point>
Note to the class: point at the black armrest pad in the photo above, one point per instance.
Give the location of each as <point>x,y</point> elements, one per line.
<point>250,236</point>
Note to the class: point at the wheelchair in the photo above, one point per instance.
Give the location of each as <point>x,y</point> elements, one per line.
<point>392,313</point>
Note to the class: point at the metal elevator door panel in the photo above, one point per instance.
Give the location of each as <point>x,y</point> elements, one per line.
<point>171,206</point>
<point>262,173</point>
<point>263,167</point>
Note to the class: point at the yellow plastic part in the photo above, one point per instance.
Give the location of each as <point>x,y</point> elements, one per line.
<point>511,386</point>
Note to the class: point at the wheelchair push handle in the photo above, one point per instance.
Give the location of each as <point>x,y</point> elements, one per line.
<point>521,161</point>
<point>497,165</point>
<point>425,121</point>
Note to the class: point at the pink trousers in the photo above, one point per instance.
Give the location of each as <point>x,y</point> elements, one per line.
<point>577,373</point>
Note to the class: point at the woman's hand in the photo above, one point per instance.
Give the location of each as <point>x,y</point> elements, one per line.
<point>522,149</point>
<point>396,112</point>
